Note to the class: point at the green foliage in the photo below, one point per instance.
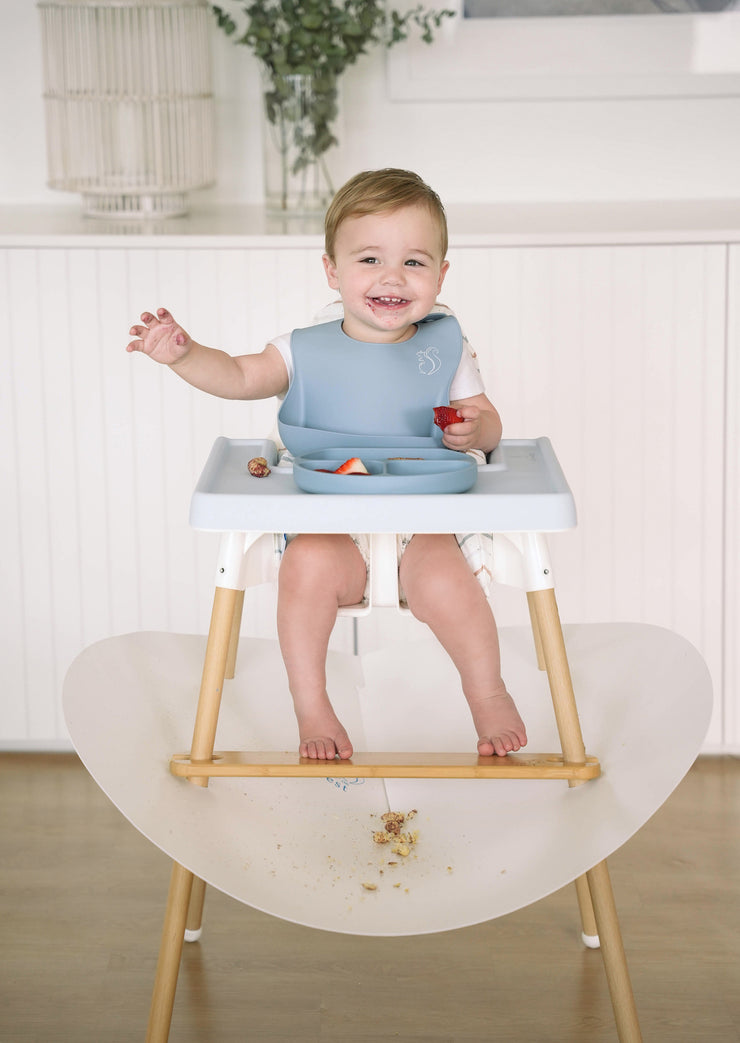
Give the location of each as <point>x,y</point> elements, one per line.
<point>317,38</point>
<point>293,37</point>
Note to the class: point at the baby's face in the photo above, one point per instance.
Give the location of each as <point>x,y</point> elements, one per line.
<point>389,270</point>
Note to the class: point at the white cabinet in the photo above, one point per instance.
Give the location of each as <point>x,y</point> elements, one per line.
<point>618,351</point>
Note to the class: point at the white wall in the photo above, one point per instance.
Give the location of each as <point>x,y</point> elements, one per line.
<point>495,152</point>
<point>471,152</point>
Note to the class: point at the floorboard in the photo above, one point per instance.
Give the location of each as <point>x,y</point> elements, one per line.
<point>82,896</point>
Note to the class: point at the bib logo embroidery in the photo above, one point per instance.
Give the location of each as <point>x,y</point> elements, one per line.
<point>429,361</point>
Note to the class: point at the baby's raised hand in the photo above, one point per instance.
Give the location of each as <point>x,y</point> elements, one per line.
<point>160,338</point>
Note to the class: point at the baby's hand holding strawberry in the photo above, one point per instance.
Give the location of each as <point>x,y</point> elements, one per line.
<point>160,337</point>
<point>461,427</point>
<point>445,415</point>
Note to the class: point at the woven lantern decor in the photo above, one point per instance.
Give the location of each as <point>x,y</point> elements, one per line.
<point>128,102</point>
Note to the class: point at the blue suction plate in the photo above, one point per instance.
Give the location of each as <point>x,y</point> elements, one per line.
<point>396,471</point>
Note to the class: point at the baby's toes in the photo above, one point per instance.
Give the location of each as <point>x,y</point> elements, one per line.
<point>497,745</point>
<point>486,747</point>
<point>308,749</point>
<point>344,749</point>
<point>318,749</point>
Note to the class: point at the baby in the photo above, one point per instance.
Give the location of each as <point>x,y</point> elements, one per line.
<point>386,245</point>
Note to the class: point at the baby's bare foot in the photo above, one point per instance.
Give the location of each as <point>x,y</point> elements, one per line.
<point>321,733</point>
<point>327,747</point>
<point>499,725</point>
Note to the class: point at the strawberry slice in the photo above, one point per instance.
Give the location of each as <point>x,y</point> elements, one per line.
<point>446,415</point>
<point>352,466</point>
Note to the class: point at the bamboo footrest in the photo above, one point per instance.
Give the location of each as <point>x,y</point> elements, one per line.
<point>260,764</point>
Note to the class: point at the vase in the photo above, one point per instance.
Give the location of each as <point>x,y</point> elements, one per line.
<point>300,112</point>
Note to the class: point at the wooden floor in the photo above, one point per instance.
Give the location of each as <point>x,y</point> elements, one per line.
<point>82,896</point>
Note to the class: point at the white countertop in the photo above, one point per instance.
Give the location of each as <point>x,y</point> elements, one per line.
<point>497,224</point>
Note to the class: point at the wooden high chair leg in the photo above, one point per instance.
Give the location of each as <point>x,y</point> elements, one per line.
<point>547,621</point>
<point>548,637</point>
<point>598,909</point>
<point>198,895</point>
<point>615,961</point>
<point>214,671</point>
<point>170,954</point>
<point>194,925</point>
<point>536,632</point>
<point>589,930</point>
<point>234,637</point>
<point>181,883</point>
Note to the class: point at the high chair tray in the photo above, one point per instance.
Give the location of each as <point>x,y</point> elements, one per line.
<point>521,489</point>
<point>399,470</point>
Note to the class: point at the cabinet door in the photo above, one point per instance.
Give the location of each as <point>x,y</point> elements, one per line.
<point>100,450</point>
<point>618,355</point>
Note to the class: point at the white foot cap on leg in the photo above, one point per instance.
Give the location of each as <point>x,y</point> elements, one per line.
<point>591,941</point>
<point>193,936</point>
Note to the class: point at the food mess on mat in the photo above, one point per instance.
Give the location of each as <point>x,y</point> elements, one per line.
<point>258,467</point>
<point>352,466</point>
<point>393,833</point>
<point>400,841</point>
<point>446,415</point>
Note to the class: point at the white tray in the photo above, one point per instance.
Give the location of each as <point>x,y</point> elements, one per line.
<point>521,489</point>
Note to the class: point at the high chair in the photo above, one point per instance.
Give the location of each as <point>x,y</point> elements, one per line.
<point>125,700</point>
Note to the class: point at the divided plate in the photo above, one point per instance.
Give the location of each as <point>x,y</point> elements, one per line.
<point>390,470</point>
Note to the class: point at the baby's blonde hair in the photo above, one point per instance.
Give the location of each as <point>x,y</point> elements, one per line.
<point>382,191</point>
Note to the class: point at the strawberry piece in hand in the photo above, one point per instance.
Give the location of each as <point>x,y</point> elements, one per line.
<point>446,415</point>
<point>352,466</point>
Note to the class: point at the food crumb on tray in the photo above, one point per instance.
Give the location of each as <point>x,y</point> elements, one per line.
<point>258,467</point>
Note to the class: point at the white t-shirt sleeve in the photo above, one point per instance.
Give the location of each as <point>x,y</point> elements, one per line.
<point>282,343</point>
<point>466,383</point>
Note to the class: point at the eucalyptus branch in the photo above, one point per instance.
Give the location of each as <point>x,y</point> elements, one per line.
<point>314,38</point>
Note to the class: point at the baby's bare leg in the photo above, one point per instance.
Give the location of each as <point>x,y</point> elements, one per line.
<point>442,591</point>
<point>318,573</point>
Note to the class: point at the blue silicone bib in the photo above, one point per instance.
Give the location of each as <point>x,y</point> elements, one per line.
<point>346,392</point>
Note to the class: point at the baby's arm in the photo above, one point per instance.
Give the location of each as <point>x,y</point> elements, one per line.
<point>480,427</point>
<point>242,376</point>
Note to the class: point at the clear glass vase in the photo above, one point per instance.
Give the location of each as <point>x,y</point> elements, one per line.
<point>300,112</point>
